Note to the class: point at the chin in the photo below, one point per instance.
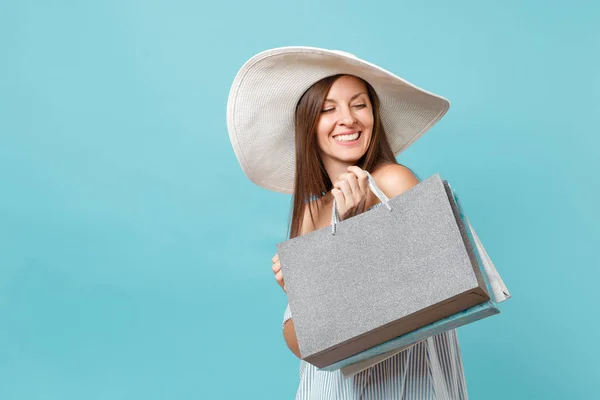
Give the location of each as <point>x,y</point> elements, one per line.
<point>351,158</point>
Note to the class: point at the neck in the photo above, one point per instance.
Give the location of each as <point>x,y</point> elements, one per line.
<point>335,168</point>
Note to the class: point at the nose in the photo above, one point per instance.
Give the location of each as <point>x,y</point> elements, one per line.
<point>346,116</point>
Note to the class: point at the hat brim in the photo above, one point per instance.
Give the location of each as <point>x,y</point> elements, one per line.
<point>264,94</point>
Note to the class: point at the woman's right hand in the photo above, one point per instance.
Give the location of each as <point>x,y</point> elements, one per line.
<point>350,192</point>
<point>277,271</point>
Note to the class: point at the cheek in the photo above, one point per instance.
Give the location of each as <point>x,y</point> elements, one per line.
<point>367,122</point>
<point>367,119</point>
<point>324,128</point>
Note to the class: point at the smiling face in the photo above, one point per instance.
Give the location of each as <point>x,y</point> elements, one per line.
<point>317,126</point>
<point>345,124</point>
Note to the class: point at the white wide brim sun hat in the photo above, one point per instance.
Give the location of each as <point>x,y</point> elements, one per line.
<point>264,94</point>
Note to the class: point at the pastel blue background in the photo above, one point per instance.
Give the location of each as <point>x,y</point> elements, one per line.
<point>135,255</point>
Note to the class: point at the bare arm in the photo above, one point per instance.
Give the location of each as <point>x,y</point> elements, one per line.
<point>289,334</point>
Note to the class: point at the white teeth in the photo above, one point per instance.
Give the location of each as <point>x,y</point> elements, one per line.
<point>347,138</point>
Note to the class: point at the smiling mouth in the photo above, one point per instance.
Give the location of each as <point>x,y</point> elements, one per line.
<point>348,138</point>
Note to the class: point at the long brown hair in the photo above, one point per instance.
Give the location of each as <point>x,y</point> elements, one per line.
<point>311,179</point>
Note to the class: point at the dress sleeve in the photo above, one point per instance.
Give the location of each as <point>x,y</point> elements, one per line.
<point>287,315</point>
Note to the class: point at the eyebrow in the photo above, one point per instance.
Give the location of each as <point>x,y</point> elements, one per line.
<point>352,98</point>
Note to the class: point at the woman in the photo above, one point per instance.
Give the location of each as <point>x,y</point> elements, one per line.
<point>318,119</point>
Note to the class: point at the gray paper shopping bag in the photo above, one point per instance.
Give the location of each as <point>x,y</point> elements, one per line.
<point>380,274</point>
<point>495,286</point>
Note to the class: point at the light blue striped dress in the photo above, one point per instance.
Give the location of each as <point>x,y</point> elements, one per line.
<point>430,370</point>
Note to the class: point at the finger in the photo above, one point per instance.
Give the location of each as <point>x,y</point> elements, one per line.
<point>357,194</point>
<point>361,175</point>
<point>343,176</point>
<point>340,200</point>
<point>356,170</point>
<point>279,277</point>
<point>275,258</point>
<point>352,180</point>
<point>344,186</point>
<point>276,267</point>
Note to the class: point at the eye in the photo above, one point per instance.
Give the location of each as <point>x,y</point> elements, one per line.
<point>359,106</point>
<point>326,110</point>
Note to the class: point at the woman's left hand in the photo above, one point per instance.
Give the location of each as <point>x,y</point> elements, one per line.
<point>350,192</point>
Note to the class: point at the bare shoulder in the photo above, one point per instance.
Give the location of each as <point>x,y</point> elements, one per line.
<point>394,179</point>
